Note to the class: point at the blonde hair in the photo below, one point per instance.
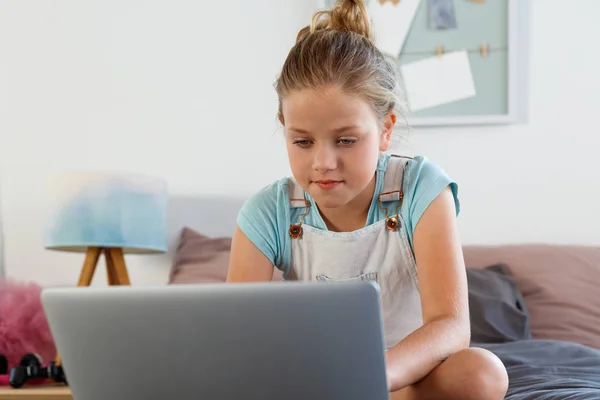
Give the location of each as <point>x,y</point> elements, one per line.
<point>338,48</point>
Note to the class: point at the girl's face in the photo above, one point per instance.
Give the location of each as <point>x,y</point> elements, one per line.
<point>333,141</point>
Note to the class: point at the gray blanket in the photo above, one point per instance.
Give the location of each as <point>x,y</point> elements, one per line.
<point>548,369</point>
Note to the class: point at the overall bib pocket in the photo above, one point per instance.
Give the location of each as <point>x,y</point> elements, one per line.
<point>367,276</point>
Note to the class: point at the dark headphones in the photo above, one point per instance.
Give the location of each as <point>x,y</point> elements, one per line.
<point>31,368</point>
<point>3,365</point>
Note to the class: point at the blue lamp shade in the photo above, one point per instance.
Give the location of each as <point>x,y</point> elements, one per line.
<point>99,209</point>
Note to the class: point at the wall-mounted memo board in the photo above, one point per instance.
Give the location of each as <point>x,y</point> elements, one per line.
<point>482,54</point>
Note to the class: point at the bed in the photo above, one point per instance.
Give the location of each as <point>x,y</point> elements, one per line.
<point>549,369</point>
<point>536,306</point>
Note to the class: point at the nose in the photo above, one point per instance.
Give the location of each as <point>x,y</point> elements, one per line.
<point>325,159</point>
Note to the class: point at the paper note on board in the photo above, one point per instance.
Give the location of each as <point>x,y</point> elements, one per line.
<point>438,80</point>
<point>391,22</point>
<point>442,14</point>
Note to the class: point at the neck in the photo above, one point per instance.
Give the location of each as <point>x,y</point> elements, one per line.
<point>351,216</point>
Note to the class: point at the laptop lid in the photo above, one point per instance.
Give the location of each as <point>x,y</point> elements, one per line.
<point>221,341</point>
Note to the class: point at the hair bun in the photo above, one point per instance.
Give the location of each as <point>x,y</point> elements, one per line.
<point>345,15</point>
<point>351,15</point>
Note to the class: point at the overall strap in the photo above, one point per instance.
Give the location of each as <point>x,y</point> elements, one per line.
<point>392,189</point>
<point>394,179</point>
<point>297,198</point>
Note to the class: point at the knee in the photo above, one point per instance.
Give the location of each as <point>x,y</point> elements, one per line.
<point>485,375</point>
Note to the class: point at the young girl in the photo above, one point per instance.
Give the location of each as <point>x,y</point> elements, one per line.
<point>354,212</point>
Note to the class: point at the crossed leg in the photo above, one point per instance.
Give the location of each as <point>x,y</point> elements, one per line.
<point>470,374</point>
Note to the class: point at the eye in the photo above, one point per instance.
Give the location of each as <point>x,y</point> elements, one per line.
<point>346,142</point>
<point>302,143</point>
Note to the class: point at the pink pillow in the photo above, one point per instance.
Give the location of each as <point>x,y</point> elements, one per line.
<point>23,324</point>
<point>200,259</point>
<point>203,259</point>
<point>560,286</point>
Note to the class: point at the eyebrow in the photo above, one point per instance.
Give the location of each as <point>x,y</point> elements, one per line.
<point>337,130</point>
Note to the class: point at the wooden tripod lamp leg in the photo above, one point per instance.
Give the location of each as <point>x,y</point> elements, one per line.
<point>89,266</point>
<point>116,263</point>
<point>110,268</point>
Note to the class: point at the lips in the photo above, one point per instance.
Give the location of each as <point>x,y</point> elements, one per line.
<point>327,184</point>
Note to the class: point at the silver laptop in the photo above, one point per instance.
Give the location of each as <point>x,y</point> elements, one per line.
<point>221,341</point>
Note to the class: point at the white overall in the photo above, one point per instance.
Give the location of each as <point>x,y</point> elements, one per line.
<point>380,252</point>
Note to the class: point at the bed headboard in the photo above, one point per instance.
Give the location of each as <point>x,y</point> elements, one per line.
<point>209,215</point>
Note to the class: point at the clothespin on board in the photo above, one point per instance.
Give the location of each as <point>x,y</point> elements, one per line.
<point>484,50</point>
<point>394,2</point>
<point>440,50</point>
<point>477,1</point>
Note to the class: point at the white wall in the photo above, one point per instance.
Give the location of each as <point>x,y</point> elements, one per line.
<point>156,87</point>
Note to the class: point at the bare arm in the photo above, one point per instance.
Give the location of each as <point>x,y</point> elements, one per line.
<point>444,298</point>
<point>247,263</point>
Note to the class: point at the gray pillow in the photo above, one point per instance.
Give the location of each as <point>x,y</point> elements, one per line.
<point>497,309</point>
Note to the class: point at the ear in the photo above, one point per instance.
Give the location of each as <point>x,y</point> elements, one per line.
<point>387,129</point>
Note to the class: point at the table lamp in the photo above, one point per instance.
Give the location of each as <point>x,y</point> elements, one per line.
<point>106,213</point>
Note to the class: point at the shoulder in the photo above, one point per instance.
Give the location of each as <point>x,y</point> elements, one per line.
<point>264,199</point>
<point>421,172</point>
<point>263,216</point>
<point>424,180</point>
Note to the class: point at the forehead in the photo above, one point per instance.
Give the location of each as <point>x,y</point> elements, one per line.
<point>325,108</point>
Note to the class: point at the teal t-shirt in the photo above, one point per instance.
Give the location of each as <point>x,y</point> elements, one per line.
<point>266,216</point>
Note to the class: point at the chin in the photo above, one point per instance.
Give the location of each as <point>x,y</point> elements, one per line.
<point>331,200</point>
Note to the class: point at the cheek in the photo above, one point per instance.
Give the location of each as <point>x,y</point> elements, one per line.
<point>363,163</point>
<point>297,159</point>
